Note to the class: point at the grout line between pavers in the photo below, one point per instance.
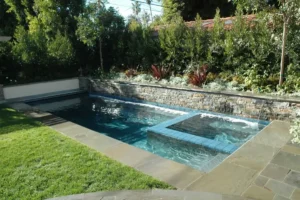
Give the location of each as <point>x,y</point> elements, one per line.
<point>193,181</point>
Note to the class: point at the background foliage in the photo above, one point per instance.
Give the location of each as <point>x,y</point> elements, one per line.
<point>54,39</point>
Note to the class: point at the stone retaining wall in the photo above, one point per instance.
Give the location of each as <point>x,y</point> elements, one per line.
<point>84,83</point>
<point>1,93</point>
<point>245,106</point>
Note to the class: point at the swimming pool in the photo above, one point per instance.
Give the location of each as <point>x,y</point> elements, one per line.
<point>129,121</point>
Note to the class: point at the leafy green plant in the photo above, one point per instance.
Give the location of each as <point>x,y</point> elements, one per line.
<point>181,81</point>
<point>220,85</point>
<point>172,38</point>
<point>226,76</point>
<point>292,81</point>
<point>144,78</point>
<point>142,49</point>
<point>239,79</point>
<point>211,77</point>
<point>295,131</point>
<point>215,55</point>
<point>217,85</point>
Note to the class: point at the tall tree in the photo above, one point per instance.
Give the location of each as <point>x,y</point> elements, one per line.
<point>290,13</point>
<point>42,36</point>
<point>136,9</point>
<point>8,20</point>
<point>149,2</point>
<point>113,37</point>
<point>289,10</point>
<point>171,8</point>
<point>207,8</point>
<point>23,10</point>
<point>145,18</point>
<point>90,27</point>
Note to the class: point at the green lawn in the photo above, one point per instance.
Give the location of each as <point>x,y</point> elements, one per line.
<point>36,162</point>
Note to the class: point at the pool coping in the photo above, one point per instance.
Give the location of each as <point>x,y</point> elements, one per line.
<point>162,129</point>
<point>242,165</point>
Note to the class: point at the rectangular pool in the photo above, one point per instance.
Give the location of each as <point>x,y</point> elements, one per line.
<point>128,122</point>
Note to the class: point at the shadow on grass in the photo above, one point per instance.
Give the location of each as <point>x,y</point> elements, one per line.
<point>51,120</point>
<point>11,121</point>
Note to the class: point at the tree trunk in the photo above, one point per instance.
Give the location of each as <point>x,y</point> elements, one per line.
<point>284,38</point>
<point>100,52</point>
<point>151,12</point>
<point>100,41</point>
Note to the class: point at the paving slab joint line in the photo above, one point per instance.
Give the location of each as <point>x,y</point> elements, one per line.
<point>194,181</point>
<point>247,188</point>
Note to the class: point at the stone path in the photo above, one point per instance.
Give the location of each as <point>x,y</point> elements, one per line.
<point>150,195</point>
<point>280,180</point>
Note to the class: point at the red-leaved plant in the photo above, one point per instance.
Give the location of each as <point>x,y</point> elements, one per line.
<point>198,77</point>
<point>160,72</point>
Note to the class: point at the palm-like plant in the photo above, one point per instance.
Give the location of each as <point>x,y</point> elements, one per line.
<point>136,8</point>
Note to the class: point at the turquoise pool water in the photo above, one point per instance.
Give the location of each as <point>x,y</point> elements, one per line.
<point>128,122</point>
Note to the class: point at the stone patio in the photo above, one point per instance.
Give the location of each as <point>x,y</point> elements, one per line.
<point>266,167</point>
<point>280,179</point>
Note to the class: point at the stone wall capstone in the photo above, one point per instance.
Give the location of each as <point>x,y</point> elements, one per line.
<point>250,107</point>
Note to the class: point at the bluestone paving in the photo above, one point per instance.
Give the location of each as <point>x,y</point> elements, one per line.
<point>177,174</point>
<point>293,149</point>
<point>227,178</point>
<point>283,169</point>
<point>129,155</point>
<point>253,155</point>
<point>258,193</point>
<point>280,188</point>
<point>275,135</point>
<point>278,197</point>
<point>261,181</point>
<point>293,178</point>
<point>296,195</point>
<point>275,172</point>
<point>287,160</point>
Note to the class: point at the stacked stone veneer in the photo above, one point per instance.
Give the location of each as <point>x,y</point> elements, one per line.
<point>84,83</point>
<point>1,93</point>
<point>246,106</point>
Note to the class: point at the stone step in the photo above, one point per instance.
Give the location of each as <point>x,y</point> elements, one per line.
<point>154,194</point>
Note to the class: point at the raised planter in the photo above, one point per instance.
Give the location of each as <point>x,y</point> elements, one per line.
<point>240,104</point>
<point>41,88</point>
